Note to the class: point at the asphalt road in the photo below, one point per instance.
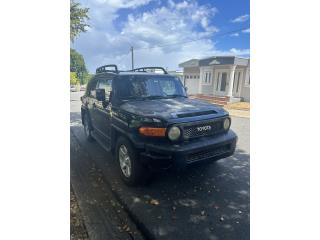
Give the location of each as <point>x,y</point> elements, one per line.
<point>205,202</point>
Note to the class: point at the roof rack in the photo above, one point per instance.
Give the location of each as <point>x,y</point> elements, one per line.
<point>144,69</point>
<point>103,69</point>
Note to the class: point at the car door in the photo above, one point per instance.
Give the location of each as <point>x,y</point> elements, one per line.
<point>102,109</point>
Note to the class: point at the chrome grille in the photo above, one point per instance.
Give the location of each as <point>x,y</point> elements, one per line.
<point>202,129</point>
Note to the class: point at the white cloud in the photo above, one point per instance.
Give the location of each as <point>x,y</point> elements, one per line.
<point>173,23</point>
<point>246,30</point>
<point>234,35</point>
<point>124,3</point>
<point>171,3</point>
<point>239,52</point>
<point>242,18</point>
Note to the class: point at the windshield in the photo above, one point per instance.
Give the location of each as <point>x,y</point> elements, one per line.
<point>141,87</point>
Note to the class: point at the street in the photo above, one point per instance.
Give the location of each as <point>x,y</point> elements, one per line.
<point>205,202</point>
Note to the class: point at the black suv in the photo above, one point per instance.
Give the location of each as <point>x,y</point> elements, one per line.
<point>145,118</point>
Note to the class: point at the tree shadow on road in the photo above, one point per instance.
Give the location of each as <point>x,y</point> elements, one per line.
<point>210,195</point>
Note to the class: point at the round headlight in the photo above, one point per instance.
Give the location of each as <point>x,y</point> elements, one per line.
<point>226,124</point>
<point>174,133</point>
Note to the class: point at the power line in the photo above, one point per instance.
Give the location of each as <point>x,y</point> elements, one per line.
<point>193,40</point>
<point>132,64</point>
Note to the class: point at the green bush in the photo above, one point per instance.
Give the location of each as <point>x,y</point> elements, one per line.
<point>73,79</point>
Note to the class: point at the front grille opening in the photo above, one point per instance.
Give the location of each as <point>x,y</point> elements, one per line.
<point>202,129</point>
<point>207,154</point>
<point>192,114</point>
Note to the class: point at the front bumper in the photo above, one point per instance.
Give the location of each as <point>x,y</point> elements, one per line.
<point>183,154</point>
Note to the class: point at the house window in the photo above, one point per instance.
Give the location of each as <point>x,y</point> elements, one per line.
<point>187,76</point>
<point>223,82</point>
<point>207,78</point>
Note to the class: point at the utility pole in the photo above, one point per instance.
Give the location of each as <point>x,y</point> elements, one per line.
<point>132,64</point>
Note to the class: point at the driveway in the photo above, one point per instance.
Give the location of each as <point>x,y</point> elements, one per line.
<point>205,202</point>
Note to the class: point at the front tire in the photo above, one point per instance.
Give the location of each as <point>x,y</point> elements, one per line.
<point>131,170</point>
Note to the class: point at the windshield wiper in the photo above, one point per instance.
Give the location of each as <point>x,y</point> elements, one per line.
<point>154,97</point>
<point>176,95</point>
<point>143,97</point>
<point>132,98</point>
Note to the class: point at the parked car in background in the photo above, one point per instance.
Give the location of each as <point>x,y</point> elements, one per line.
<point>73,88</point>
<point>83,88</point>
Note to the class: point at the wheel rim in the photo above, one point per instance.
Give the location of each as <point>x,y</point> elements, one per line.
<point>124,160</point>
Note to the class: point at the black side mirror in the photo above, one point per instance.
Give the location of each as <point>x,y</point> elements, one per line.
<point>100,95</point>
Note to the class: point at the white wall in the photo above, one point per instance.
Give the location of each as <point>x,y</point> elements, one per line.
<point>206,88</point>
<point>192,83</point>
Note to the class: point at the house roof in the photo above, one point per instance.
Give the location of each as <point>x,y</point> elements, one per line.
<point>216,60</point>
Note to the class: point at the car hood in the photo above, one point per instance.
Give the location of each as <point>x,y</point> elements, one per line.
<point>171,108</point>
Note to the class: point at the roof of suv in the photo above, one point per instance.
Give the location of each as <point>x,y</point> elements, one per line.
<point>135,73</point>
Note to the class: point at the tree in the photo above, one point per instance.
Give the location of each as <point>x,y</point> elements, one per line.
<point>78,65</point>
<point>87,77</point>
<point>78,24</point>
<point>73,78</point>
<point>78,19</point>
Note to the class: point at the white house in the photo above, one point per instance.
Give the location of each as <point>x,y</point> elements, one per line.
<point>218,76</point>
<point>177,73</point>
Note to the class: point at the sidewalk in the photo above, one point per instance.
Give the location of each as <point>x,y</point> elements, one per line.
<point>238,113</point>
<point>239,109</point>
<point>77,227</point>
<point>103,216</point>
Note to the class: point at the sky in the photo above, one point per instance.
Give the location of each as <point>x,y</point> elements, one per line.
<point>163,32</point>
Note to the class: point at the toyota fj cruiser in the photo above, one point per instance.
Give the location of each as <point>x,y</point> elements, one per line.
<point>145,118</point>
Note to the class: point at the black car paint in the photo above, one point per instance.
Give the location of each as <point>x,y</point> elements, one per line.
<point>169,109</point>
<point>115,117</point>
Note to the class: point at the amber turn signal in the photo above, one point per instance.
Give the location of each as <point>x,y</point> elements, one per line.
<point>155,132</point>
